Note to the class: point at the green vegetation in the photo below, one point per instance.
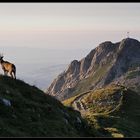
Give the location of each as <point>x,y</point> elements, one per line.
<point>69,101</point>
<point>134,66</point>
<point>85,84</point>
<point>133,74</point>
<point>35,114</point>
<point>113,111</point>
<point>104,100</point>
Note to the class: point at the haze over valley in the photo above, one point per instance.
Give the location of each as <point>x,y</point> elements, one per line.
<point>39,66</point>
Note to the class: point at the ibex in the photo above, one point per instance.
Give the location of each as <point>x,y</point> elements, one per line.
<point>8,67</point>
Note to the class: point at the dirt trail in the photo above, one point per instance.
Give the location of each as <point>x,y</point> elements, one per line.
<point>80,106</point>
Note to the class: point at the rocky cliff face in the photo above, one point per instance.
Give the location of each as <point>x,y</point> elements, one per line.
<point>108,62</point>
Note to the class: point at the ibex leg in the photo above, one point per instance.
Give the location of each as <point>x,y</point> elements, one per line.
<point>5,73</point>
<point>14,75</point>
<point>11,74</point>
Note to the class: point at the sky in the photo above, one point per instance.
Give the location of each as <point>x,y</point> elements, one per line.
<point>54,25</point>
<point>42,38</point>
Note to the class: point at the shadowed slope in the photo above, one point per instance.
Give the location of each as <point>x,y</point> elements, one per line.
<point>25,111</point>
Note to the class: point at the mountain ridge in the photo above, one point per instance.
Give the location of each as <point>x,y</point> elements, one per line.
<point>26,111</point>
<point>113,111</point>
<point>103,65</point>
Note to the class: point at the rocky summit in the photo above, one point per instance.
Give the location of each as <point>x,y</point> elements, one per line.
<point>117,63</point>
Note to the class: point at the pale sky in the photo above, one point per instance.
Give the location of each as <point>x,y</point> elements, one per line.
<point>35,36</point>
<point>42,24</point>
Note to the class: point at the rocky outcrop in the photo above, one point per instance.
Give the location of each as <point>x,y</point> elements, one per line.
<point>128,55</point>
<point>103,65</point>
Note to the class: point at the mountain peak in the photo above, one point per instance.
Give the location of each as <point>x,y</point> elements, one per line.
<point>129,43</point>
<point>104,64</point>
<point>106,43</point>
<point>129,40</point>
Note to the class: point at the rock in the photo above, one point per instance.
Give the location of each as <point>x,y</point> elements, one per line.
<point>14,116</point>
<point>110,61</point>
<point>6,102</point>
<point>78,120</point>
<point>66,121</point>
<point>7,91</point>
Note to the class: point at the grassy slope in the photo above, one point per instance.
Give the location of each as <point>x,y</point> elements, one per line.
<point>118,119</point>
<point>34,114</point>
<point>133,74</point>
<point>85,84</point>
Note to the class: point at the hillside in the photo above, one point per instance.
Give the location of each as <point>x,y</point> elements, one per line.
<point>117,63</point>
<point>112,111</point>
<point>25,111</point>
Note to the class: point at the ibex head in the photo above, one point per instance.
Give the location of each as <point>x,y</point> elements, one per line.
<point>1,56</point>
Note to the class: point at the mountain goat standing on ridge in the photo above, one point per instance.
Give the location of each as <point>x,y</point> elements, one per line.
<point>8,67</point>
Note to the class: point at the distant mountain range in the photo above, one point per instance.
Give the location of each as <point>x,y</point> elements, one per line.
<point>108,63</point>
